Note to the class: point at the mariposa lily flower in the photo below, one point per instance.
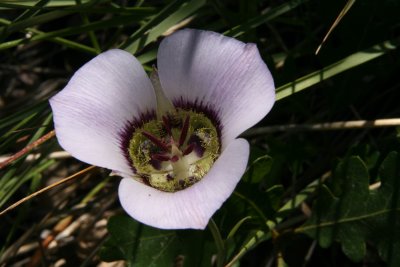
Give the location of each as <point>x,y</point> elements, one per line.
<point>173,136</point>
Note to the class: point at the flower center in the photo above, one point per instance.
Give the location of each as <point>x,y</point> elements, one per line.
<point>175,151</point>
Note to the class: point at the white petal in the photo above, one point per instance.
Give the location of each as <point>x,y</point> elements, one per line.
<point>223,72</point>
<point>193,206</point>
<point>92,110</point>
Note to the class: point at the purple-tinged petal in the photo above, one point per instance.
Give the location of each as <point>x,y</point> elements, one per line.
<point>92,110</point>
<point>227,75</point>
<point>193,206</point>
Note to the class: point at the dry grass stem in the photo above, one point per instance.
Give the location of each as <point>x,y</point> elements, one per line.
<point>28,148</point>
<point>71,177</point>
<point>326,126</point>
<point>32,157</point>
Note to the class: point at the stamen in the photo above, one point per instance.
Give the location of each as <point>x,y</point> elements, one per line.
<point>198,148</point>
<point>166,124</point>
<point>145,178</point>
<point>160,157</point>
<point>188,149</point>
<point>175,150</point>
<point>184,131</point>
<point>156,164</point>
<point>156,141</point>
<point>174,158</point>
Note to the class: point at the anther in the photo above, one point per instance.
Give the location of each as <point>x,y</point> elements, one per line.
<point>160,157</point>
<point>169,177</point>
<point>156,141</point>
<point>166,124</point>
<point>188,149</point>
<point>174,158</point>
<point>184,131</point>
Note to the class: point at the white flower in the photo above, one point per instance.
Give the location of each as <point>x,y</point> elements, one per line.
<point>173,138</point>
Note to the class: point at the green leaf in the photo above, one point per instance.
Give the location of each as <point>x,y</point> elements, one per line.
<point>350,213</point>
<point>275,195</point>
<point>145,246</point>
<point>258,169</point>
<point>236,227</point>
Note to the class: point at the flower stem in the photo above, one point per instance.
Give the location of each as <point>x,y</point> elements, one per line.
<point>218,241</point>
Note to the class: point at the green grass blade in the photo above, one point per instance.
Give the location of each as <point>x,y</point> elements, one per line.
<point>31,12</point>
<point>6,6</point>
<point>161,23</point>
<point>128,45</point>
<point>92,36</point>
<point>59,40</point>
<point>41,131</point>
<point>42,18</point>
<point>18,117</point>
<point>98,25</point>
<point>257,21</point>
<point>18,125</point>
<point>148,56</point>
<point>29,4</point>
<point>16,182</point>
<point>345,64</point>
<point>37,20</point>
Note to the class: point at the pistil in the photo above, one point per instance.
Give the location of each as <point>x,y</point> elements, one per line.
<point>164,105</point>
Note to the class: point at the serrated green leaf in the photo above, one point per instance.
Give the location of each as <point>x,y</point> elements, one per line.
<point>145,246</point>
<point>352,214</point>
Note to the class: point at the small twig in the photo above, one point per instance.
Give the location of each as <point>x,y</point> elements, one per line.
<point>375,186</point>
<point>40,254</point>
<point>28,148</point>
<point>310,252</point>
<point>326,126</point>
<point>179,25</point>
<point>71,228</point>
<point>32,157</point>
<point>73,176</point>
<point>342,13</point>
